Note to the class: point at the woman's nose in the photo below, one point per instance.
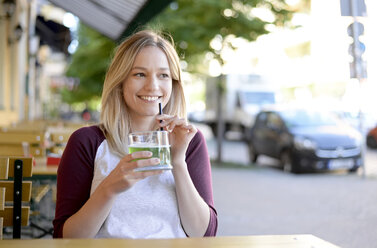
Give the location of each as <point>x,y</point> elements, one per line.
<point>152,83</point>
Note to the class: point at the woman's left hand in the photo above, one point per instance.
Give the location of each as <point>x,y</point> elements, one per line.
<point>181,133</point>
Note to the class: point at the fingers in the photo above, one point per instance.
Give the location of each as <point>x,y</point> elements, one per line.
<point>138,159</point>
<point>147,162</point>
<point>191,128</point>
<point>170,122</point>
<point>140,174</point>
<point>137,155</point>
<point>124,175</point>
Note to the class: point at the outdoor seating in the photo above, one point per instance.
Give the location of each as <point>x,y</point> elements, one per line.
<point>59,140</point>
<point>38,138</point>
<point>44,141</point>
<point>22,142</point>
<point>15,193</point>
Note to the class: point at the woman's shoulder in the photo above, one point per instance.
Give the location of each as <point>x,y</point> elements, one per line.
<point>88,133</point>
<point>197,141</point>
<point>198,138</point>
<point>84,142</point>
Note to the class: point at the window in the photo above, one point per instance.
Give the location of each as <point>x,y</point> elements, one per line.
<point>261,120</point>
<point>274,121</point>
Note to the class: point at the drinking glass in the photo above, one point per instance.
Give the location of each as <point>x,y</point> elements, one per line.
<point>156,142</point>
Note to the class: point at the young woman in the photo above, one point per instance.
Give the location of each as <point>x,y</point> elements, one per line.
<point>99,194</point>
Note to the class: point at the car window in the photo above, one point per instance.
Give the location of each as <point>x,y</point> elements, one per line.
<point>261,120</point>
<point>274,120</point>
<point>297,118</point>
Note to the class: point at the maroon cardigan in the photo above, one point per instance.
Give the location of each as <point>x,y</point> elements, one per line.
<point>76,168</point>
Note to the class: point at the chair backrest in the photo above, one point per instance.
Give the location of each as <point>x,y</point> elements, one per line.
<point>30,125</point>
<point>2,204</point>
<point>60,137</point>
<point>22,142</point>
<point>59,141</point>
<point>13,191</point>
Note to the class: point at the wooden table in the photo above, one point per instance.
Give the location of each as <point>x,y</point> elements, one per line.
<point>42,170</point>
<point>50,170</point>
<point>279,241</point>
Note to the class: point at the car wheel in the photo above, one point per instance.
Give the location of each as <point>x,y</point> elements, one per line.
<point>253,156</point>
<point>353,169</point>
<point>213,127</point>
<point>286,162</point>
<point>371,142</point>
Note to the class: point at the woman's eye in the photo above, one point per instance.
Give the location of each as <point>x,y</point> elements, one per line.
<point>139,74</point>
<point>164,75</point>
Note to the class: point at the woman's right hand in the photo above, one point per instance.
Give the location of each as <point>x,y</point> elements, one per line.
<point>96,209</point>
<point>124,177</point>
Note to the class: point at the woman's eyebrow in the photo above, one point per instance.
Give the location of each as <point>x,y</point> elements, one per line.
<point>145,69</point>
<point>139,68</point>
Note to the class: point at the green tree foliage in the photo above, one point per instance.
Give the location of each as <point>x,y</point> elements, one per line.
<point>193,25</point>
<point>89,63</point>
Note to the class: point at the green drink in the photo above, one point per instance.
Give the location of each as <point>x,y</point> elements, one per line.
<point>156,142</point>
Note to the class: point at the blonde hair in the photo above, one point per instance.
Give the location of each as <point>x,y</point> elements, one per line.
<point>115,119</point>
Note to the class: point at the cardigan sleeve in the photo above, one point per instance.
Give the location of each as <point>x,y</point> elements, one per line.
<point>75,174</point>
<point>199,167</point>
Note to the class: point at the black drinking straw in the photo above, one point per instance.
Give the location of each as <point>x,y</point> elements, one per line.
<point>160,112</point>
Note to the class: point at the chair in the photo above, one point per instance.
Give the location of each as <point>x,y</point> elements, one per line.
<point>59,141</point>
<point>32,142</point>
<point>22,142</point>
<point>2,203</point>
<point>13,192</point>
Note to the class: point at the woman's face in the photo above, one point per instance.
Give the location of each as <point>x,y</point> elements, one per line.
<point>148,83</point>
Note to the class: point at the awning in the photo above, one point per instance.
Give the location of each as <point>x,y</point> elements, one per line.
<point>113,18</point>
<point>57,36</point>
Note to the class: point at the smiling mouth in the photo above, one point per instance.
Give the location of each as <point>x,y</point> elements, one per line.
<point>150,98</point>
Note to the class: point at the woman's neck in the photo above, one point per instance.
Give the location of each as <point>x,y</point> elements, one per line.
<point>143,124</point>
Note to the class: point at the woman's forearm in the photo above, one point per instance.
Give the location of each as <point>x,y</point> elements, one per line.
<point>88,220</point>
<point>193,210</point>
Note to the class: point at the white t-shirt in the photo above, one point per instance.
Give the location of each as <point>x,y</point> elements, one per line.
<point>147,210</point>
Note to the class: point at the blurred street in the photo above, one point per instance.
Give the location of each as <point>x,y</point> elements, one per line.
<point>236,152</point>
<point>336,206</point>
